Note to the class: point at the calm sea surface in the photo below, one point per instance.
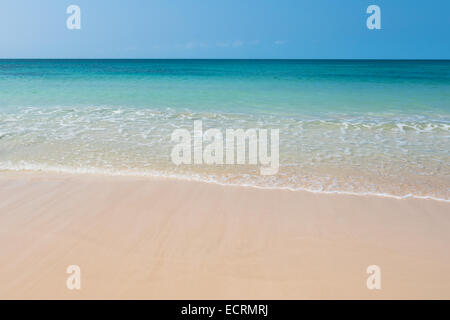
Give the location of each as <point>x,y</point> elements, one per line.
<point>365,127</point>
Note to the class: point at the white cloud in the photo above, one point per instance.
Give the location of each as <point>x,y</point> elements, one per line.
<point>129,49</point>
<point>222,44</point>
<point>194,45</point>
<point>237,43</point>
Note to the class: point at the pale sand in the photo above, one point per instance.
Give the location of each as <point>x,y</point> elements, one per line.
<point>168,239</point>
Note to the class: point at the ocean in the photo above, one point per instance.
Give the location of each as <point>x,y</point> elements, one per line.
<point>345,126</point>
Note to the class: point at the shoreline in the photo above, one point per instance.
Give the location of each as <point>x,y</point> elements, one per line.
<point>185,178</point>
<point>141,238</point>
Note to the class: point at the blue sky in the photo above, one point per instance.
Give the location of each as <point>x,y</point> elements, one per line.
<point>319,29</point>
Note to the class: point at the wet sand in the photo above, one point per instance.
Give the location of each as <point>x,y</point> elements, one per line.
<point>141,238</point>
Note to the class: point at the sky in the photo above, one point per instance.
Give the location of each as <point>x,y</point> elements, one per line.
<point>226,29</point>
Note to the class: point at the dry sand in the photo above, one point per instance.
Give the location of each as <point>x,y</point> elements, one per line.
<point>146,238</point>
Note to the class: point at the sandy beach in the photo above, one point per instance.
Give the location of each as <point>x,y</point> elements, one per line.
<point>141,238</point>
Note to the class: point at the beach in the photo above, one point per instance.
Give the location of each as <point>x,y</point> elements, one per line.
<point>224,179</point>
<point>159,238</point>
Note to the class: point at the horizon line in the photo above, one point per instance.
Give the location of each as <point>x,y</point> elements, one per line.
<point>286,59</point>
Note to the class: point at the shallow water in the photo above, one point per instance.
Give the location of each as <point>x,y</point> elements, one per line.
<point>364,127</point>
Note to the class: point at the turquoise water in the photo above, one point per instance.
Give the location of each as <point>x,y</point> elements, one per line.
<point>364,127</point>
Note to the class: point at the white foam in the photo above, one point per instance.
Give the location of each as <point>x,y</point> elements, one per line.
<point>115,137</point>
<point>23,166</point>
